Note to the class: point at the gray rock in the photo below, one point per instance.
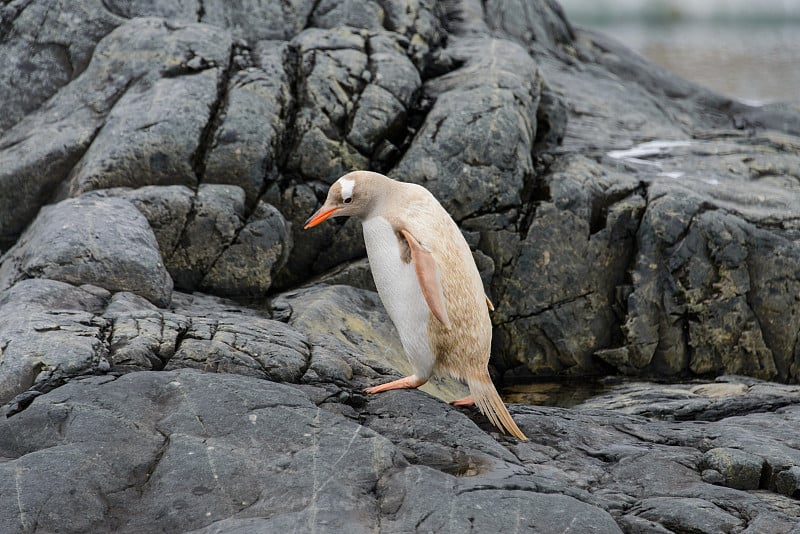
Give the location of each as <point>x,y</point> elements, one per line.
<point>166,208</point>
<point>38,314</point>
<point>217,215</point>
<point>47,52</point>
<point>203,449</point>
<point>624,221</point>
<point>103,242</point>
<point>407,503</point>
<point>142,337</point>
<point>713,477</point>
<point>352,348</point>
<point>297,202</point>
<point>537,23</point>
<point>729,396</point>
<point>269,19</point>
<point>204,333</point>
<point>247,144</point>
<point>138,145</point>
<point>355,89</point>
<point>53,143</point>
<point>473,150</point>
<point>249,263</point>
<point>184,450</point>
<point>689,515</point>
<point>787,482</point>
<point>739,469</point>
<point>207,241</point>
<point>231,342</point>
<point>356,274</point>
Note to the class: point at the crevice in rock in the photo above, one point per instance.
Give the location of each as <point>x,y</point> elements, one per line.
<point>362,84</point>
<point>600,204</point>
<point>179,337</point>
<point>388,154</point>
<point>535,190</point>
<point>142,481</point>
<point>750,300</point>
<point>223,249</point>
<point>215,118</point>
<point>436,127</point>
<point>311,13</point>
<point>55,380</point>
<point>188,220</point>
<point>292,65</point>
<point>550,307</point>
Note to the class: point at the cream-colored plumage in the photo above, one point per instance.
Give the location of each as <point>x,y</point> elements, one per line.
<point>427,279</point>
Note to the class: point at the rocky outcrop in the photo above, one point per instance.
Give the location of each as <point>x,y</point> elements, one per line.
<point>185,450</point>
<point>157,157</point>
<point>622,217</point>
<point>102,242</point>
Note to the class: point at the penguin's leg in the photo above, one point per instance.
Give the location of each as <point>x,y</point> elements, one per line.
<point>409,382</point>
<point>466,401</point>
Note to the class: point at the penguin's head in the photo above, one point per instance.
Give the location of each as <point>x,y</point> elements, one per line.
<point>355,194</point>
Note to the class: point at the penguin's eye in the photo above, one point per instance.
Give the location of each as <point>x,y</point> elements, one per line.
<point>348,200</point>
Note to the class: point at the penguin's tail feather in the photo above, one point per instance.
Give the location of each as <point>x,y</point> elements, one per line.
<point>491,405</point>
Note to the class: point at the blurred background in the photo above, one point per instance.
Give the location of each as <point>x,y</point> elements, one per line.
<point>745,49</point>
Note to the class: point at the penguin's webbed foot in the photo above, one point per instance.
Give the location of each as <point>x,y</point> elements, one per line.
<point>409,382</point>
<point>466,401</point>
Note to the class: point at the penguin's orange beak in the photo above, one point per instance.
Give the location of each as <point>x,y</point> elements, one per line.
<point>319,216</point>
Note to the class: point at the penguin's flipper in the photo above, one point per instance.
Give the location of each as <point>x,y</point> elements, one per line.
<point>428,276</point>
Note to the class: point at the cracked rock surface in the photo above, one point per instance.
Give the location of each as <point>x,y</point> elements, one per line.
<point>177,355</point>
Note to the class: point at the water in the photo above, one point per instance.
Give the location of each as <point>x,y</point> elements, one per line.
<point>743,49</point>
<point>564,393</point>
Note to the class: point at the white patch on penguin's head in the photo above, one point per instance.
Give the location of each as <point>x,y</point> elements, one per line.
<point>347,188</point>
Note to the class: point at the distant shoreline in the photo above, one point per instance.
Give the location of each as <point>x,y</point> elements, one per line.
<point>597,12</point>
<point>755,63</point>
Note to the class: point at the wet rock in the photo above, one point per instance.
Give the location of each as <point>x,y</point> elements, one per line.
<point>728,397</point>
<point>103,242</point>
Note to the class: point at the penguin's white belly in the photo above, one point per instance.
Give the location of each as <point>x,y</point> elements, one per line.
<point>400,292</point>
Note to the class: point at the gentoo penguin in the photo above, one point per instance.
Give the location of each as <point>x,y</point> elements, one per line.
<point>428,282</point>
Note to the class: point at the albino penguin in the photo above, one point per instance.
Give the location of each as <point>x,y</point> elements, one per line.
<point>428,282</point>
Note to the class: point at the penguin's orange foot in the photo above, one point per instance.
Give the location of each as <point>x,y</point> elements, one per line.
<point>466,401</point>
<point>409,382</point>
